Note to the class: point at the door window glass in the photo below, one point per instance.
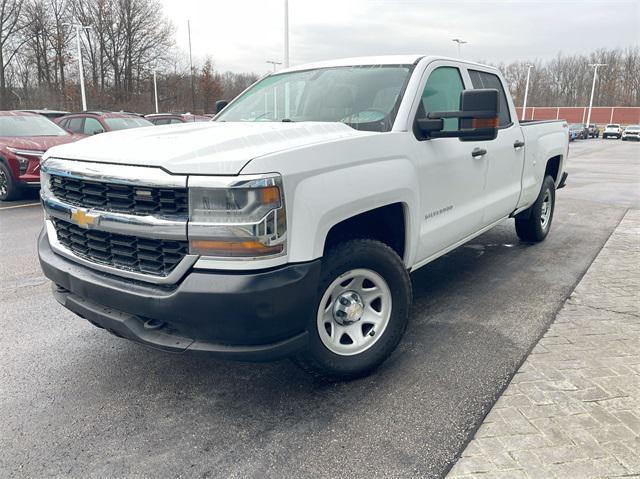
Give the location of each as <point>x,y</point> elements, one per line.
<point>489,80</point>
<point>75,124</point>
<point>92,126</point>
<point>442,93</point>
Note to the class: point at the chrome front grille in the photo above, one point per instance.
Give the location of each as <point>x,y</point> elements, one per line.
<point>129,253</point>
<point>124,198</point>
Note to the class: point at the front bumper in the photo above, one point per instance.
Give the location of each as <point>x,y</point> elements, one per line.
<point>242,315</point>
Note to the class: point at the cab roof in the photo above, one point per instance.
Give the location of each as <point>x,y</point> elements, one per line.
<point>378,60</point>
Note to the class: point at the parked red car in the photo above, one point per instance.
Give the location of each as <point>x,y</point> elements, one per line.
<point>171,118</point>
<point>94,122</point>
<point>24,137</point>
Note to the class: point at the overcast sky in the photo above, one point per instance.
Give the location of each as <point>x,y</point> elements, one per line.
<point>240,35</point>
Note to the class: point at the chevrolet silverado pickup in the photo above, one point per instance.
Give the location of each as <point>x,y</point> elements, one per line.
<point>288,225</point>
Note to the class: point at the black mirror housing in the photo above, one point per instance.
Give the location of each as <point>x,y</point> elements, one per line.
<point>478,118</point>
<point>484,105</point>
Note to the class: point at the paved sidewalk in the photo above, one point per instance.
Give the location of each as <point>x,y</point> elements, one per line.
<point>573,408</point>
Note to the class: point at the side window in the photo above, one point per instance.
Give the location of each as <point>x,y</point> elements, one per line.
<point>160,121</point>
<point>173,121</point>
<point>489,80</point>
<point>92,126</point>
<point>442,93</point>
<point>75,124</point>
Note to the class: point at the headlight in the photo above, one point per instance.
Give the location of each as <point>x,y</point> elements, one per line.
<point>237,217</point>
<point>23,157</point>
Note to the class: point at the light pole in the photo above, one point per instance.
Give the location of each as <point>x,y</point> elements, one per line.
<point>274,63</point>
<point>79,28</point>
<point>459,42</point>
<point>593,87</point>
<point>526,92</point>
<point>155,89</point>
<point>193,88</point>
<point>286,33</point>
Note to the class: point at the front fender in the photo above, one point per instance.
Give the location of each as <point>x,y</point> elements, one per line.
<point>327,199</point>
<point>330,182</point>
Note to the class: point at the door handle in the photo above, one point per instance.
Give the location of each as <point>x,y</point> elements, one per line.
<point>518,144</point>
<point>478,152</point>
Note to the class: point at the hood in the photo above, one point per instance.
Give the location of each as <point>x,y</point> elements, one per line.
<point>213,148</point>
<point>36,143</point>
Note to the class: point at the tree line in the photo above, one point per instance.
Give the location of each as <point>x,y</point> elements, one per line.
<point>125,43</point>
<point>128,40</point>
<point>566,80</point>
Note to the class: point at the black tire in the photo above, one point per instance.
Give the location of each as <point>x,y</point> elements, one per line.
<point>529,224</point>
<point>9,189</point>
<point>317,359</point>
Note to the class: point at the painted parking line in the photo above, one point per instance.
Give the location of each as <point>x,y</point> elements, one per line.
<point>19,206</point>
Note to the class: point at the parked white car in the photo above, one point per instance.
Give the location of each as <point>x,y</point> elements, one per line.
<point>631,132</point>
<point>289,225</point>
<point>613,130</point>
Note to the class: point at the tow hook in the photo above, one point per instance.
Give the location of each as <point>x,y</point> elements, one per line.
<point>153,324</point>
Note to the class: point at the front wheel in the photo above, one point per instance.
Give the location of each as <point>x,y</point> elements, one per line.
<point>9,189</point>
<point>361,311</point>
<point>534,223</point>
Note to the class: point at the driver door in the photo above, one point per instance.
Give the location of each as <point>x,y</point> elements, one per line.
<point>452,181</point>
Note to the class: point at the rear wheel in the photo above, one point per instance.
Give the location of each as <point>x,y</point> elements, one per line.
<point>9,189</point>
<point>361,312</point>
<point>534,223</point>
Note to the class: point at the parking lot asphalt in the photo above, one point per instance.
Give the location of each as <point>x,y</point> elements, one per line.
<point>78,402</point>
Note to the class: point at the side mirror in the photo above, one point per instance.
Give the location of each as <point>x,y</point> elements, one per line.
<point>477,118</point>
<point>220,104</point>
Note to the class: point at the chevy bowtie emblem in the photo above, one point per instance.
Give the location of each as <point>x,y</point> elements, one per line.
<point>84,219</point>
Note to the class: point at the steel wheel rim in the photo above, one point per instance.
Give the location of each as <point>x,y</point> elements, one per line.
<point>3,183</point>
<point>545,213</point>
<point>337,333</point>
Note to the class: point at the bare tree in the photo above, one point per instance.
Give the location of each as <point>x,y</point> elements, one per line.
<point>11,24</point>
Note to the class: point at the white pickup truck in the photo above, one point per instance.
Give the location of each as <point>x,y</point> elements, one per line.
<point>288,225</point>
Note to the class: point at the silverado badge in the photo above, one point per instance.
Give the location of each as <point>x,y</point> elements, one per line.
<point>84,219</point>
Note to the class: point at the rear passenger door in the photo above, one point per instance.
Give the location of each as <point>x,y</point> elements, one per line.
<point>505,154</point>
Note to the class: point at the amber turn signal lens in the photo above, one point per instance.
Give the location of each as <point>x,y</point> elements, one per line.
<point>484,123</point>
<point>269,195</point>
<point>233,248</point>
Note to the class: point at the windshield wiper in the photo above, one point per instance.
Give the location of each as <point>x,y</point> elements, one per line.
<point>287,120</point>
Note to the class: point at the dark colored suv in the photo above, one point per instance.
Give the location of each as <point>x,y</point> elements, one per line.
<point>94,122</point>
<point>24,137</point>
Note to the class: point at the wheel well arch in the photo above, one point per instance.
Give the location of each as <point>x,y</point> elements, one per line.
<point>553,167</point>
<point>387,224</point>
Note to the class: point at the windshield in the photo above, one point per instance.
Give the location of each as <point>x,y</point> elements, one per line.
<point>363,97</point>
<point>28,125</point>
<point>126,123</point>
<point>633,127</point>
<point>613,126</point>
